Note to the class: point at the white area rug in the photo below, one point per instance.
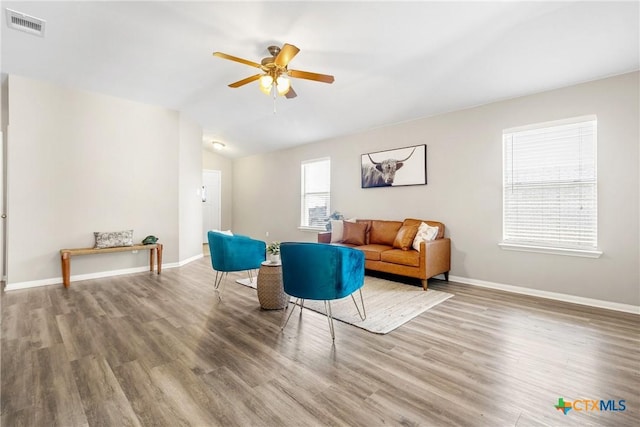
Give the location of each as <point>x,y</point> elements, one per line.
<point>388,304</point>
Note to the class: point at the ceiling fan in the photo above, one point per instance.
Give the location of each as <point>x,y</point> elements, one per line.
<point>274,79</point>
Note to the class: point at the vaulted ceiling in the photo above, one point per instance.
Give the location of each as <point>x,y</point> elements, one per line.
<point>392,61</point>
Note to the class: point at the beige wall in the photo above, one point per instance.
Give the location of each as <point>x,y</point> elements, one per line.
<point>214,161</point>
<point>190,184</point>
<point>464,190</point>
<point>4,121</point>
<point>80,162</point>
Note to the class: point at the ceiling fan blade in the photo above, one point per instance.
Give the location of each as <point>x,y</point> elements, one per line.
<point>286,54</point>
<point>245,81</point>
<point>236,59</point>
<point>324,78</point>
<point>290,93</point>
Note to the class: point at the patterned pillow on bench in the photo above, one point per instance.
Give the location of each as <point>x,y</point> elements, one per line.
<point>112,239</point>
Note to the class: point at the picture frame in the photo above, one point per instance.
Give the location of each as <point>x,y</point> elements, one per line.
<point>394,168</point>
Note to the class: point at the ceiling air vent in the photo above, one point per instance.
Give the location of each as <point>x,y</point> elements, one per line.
<point>26,23</point>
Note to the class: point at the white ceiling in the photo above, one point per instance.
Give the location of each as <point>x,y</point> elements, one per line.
<point>392,61</point>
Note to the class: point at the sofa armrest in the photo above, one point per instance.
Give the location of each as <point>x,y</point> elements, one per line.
<point>437,256</point>
<point>324,237</point>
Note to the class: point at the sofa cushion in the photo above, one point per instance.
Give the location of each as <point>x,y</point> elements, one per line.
<point>413,221</point>
<point>354,233</point>
<point>405,236</point>
<point>337,229</point>
<point>425,233</point>
<point>383,232</point>
<point>367,222</point>
<point>398,256</point>
<point>372,252</point>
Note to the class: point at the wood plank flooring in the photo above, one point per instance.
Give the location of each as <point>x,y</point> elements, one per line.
<point>148,350</point>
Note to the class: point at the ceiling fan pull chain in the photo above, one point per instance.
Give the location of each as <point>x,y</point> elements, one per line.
<point>273,88</point>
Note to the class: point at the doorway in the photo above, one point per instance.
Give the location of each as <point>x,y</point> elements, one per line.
<point>211,189</point>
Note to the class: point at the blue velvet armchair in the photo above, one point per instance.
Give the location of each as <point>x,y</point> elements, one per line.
<point>234,253</point>
<point>324,272</point>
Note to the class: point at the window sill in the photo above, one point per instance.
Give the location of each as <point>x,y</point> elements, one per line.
<point>548,250</point>
<point>312,229</point>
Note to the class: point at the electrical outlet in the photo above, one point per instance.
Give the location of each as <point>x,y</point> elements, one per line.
<point>134,252</point>
<point>266,234</point>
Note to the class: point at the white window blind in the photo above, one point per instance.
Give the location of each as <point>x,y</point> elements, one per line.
<point>316,192</point>
<point>550,185</point>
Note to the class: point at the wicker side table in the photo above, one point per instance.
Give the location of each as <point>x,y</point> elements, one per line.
<point>270,291</point>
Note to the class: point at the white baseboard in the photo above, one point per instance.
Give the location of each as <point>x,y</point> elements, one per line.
<point>97,275</point>
<point>74,278</point>
<point>189,260</point>
<point>627,308</point>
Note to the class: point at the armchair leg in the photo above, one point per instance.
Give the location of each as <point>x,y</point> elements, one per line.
<point>291,312</point>
<point>363,314</point>
<point>218,280</point>
<point>327,308</point>
<point>220,277</point>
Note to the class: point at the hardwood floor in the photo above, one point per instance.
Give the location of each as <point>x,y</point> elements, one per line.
<point>148,350</point>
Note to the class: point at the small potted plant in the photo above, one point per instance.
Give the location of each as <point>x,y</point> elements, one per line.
<point>274,252</point>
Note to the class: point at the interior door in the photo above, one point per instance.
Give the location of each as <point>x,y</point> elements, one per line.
<point>211,189</point>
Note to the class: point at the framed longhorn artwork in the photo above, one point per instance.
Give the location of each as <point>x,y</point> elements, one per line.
<point>395,168</point>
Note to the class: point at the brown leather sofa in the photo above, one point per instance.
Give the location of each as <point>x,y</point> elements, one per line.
<point>380,244</point>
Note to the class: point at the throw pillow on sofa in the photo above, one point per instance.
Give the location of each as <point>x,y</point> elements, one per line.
<point>354,233</point>
<point>405,237</point>
<point>425,233</point>
<point>337,229</point>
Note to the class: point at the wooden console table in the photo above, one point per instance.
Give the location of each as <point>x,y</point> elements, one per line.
<point>66,254</point>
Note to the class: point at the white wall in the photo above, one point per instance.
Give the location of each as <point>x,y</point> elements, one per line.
<point>190,184</point>
<point>214,161</point>
<point>464,172</point>
<point>81,162</point>
<point>4,121</point>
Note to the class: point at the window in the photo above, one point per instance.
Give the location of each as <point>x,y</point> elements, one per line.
<point>315,194</point>
<point>550,188</point>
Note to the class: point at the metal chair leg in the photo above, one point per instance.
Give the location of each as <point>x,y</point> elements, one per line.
<point>290,313</point>
<point>362,315</point>
<point>327,308</point>
<point>220,278</point>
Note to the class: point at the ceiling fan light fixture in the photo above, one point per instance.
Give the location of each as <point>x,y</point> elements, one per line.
<point>283,84</point>
<point>266,81</point>
<point>274,80</point>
